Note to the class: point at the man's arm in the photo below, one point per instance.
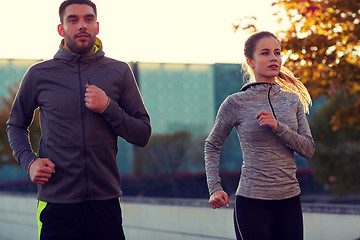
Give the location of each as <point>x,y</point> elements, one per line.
<point>21,116</point>
<point>128,117</point>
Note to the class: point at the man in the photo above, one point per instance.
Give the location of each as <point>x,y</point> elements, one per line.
<point>86,102</point>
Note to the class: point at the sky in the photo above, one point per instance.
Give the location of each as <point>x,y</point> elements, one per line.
<point>182,31</point>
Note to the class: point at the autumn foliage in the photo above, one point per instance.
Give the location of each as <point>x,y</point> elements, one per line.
<point>6,156</point>
<point>324,51</point>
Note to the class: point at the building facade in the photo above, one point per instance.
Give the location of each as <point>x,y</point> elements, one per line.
<point>177,97</point>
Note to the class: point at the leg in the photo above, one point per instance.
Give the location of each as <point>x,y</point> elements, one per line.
<point>252,219</point>
<point>289,221</point>
<point>104,220</point>
<point>58,221</point>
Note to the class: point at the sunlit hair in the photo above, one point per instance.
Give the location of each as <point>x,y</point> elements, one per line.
<point>285,79</point>
<point>70,2</point>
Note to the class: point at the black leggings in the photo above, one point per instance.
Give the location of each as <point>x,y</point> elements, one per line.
<point>256,219</point>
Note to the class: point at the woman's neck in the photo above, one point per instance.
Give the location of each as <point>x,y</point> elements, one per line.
<point>265,79</point>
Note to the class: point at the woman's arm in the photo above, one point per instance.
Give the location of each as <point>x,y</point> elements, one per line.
<point>301,140</point>
<point>224,123</point>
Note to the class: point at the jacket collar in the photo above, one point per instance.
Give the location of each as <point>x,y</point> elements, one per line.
<point>258,86</point>
<point>66,56</point>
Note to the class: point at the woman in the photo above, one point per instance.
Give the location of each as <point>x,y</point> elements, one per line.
<point>269,117</point>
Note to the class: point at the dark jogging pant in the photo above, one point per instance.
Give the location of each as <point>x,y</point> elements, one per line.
<point>256,219</point>
<point>90,220</point>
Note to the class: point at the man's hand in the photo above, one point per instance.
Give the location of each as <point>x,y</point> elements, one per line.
<point>95,98</point>
<point>219,199</point>
<point>40,170</point>
<point>267,118</point>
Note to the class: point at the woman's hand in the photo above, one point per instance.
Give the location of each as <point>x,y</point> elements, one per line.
<point>267,118</point>
<point>219,199</point>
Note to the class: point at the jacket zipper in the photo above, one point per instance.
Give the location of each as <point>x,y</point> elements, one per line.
<point>269,101</point>
<point>244,88</point>
<point>82,108</point>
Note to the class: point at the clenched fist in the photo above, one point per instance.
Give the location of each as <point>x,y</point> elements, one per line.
<point>95,99</point>
<point>41,170</point>
<point>219,199</point>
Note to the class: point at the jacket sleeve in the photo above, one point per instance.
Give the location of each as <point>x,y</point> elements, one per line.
<point>20,119</point>
<point>301,140</point>
<point>129,118</point>
<point>224,123</point>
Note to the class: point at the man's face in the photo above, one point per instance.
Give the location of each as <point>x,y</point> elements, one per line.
<point>79,29</point>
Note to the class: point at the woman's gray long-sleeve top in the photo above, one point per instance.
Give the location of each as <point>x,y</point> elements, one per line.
<point>268,170</point>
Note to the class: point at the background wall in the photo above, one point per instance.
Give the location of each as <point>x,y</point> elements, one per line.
<point>182,219</point>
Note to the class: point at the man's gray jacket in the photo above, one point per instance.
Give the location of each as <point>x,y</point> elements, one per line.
<point>82,144</point>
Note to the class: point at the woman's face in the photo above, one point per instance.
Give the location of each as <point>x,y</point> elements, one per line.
<point>266,62</point>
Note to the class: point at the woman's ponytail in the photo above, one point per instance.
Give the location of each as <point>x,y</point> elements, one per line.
<point>290,83</point>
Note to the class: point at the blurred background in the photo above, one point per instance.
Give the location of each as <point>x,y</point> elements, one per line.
<point>187,58</point>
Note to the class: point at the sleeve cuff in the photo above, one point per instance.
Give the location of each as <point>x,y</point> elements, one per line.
<point>279,129</point>
<point>107,104</point>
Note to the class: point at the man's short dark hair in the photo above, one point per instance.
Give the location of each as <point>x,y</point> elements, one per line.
<point>70,2</point>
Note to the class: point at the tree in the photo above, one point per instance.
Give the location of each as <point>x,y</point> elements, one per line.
<point>324,51</point>
<point>167,154</point>
<point>336,160</point>
<point>6,156</point>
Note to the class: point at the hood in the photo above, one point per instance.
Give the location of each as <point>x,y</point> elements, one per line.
<point>66,56</point>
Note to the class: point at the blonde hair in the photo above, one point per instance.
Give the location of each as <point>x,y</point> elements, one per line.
<point>285,78</point>
<point>290,83</point>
